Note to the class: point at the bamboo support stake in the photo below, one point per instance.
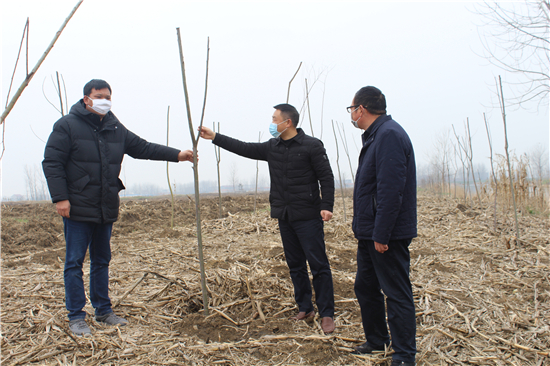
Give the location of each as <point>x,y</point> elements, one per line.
<point>195,165</point>
<point>35,69</point>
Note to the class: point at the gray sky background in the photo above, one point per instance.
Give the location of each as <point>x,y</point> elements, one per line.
<point>425,57</point>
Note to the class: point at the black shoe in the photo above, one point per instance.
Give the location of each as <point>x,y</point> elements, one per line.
<point>401,363</point>
<point>365,348</point>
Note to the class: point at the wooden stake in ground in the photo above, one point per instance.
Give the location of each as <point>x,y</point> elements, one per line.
<point>35,69</point>
<point>196,163</point>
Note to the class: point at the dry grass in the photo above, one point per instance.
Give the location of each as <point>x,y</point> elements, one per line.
<point>481,297</point>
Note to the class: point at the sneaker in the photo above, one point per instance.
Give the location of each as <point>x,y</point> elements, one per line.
<point>401,363</point>
<point>111,319</point>
<point>80,328</point>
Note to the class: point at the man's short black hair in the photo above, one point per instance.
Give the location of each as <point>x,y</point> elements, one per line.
<point>289,112</point>
<point>371,99</point>
<point>96,84</point>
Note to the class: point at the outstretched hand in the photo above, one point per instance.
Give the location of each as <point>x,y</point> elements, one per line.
<point>186,155</point>
<point>206,133</point>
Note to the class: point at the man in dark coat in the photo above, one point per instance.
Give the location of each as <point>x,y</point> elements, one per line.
<point>384,223</point>
<point>297,165</point>
<point>82,163</point>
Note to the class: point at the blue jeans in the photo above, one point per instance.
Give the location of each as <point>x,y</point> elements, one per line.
<point>78,237</point>
<point>388,271</point>
<point>304,242</point>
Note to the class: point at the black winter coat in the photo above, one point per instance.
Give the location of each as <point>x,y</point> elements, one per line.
<point>82,162</point>
<point>384,197</point>
<point>296,168</point>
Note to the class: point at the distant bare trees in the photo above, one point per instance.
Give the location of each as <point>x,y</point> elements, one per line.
<point>515,38</point>
<point>35,184</point>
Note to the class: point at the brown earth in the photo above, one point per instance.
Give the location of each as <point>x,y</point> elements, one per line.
<point>480,295</point>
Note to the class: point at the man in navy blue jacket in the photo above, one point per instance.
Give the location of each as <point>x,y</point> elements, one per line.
<point>384,223</point>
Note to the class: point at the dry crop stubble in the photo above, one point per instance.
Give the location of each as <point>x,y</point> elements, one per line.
<point>477,301</point>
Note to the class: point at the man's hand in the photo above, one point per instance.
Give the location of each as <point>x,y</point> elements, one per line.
<point>186,155</point>
<point>381,248</point>
<point>63,208</point>
<point>206,133</point>
<point>326,215</point>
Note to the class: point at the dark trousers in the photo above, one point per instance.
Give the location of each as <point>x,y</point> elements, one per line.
<point>305,241</point>
<point>79,236</point>
<point>388,271</point>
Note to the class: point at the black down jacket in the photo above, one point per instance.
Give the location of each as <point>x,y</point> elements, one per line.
<point>384,196</point>
<point>296,168</point>
<point>82,162</point>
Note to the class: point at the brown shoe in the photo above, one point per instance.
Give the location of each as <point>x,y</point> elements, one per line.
<point>303,316</point>
<point>327,324</point>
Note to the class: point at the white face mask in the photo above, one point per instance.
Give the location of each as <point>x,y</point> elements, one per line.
<point>101,106</point>
<point>354,123</point>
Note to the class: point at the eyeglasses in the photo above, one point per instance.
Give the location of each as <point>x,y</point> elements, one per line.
<point>352,108</point>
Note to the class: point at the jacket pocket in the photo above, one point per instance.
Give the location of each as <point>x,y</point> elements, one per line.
<point>79,184</point>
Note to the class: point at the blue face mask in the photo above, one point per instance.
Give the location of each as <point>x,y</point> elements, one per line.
<point>273,129</point>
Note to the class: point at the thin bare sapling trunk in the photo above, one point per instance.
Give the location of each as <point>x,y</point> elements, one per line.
<point>218,159</point>
<point>290,82</point>
<point>63,109</point>
<point>339,175</point>
<point>493,176</point>
<point>168,170</point>
<point>257,173</point>
<point>470,155</point>
<point>344,139</point>
<point>503,111</point>
<point>196,165</point>
<point>30,75</point>
<point>459,151</point>
<point>309,112</point>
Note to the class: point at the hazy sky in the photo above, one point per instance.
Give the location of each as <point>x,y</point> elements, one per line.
<point>425,57</point>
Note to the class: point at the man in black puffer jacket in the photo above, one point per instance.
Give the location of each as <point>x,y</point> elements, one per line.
<point>384,223</point>
<point>297,165</point>
<point>82,163</point>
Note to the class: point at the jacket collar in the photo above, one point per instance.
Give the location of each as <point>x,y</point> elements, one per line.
<point>375,126</point>
<point>299,138</point>
<point>107,123</point>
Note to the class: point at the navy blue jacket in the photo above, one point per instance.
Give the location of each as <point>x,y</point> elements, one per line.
<point>384,196</point>
<point>296,168</point>
<point>82,162</point>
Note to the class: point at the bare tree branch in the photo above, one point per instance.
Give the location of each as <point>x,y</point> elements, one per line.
<point>515,38</point>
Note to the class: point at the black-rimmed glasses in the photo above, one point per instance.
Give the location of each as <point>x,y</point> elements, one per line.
<point>352,108</point>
